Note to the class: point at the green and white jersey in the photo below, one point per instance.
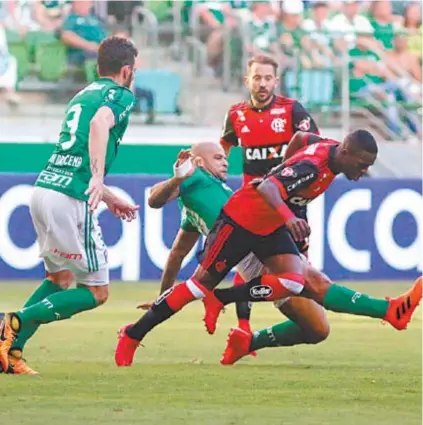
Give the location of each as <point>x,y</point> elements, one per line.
<point>68,169</point>
<point>201,198</point>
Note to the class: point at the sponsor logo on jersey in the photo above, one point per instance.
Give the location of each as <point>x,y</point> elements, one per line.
<point>245,129</point>
<point>261,291</point>
<point>266,152</point>
<point>305,124</point>
<point>288,172</point>
<point>277,111</point>
<point>54,179</point>
<point>299,181</point>
<point>65,160</point>
<point>278,125</point>
<point>299,201</point>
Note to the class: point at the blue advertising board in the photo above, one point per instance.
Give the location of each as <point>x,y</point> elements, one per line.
<point>364,230</point>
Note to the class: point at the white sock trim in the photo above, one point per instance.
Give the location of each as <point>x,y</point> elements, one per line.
<point>291,285</point>
<point>195,290</point>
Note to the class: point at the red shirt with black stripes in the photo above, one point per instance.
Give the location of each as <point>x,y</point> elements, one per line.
<point>264,133</point>
<point>300,179</point>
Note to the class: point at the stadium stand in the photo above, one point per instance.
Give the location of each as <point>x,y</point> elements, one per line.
<point>350,61</point>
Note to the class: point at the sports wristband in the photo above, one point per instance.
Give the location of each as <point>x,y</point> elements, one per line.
<point>285,212</point>
<point>181,171</point>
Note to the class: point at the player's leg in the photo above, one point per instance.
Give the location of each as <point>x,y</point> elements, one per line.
<point>308,324</point>
<point>222,251</point>
<point>74,242</point>
<point>397,311</point>
<point>243,308</point>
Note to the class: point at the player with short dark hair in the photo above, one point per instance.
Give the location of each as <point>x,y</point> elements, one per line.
<point>258,219</point>
<point>263,127</point>
<point>66,193</point>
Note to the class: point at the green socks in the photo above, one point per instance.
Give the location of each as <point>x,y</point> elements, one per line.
<point>43,291</point>
<point>344,300</point>
<point>59,306</point>
<point>281,335</point>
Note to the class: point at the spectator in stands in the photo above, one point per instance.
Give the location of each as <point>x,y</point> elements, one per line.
<point>8,71</point>
<point>19,17</point>
<point>347,23</point>
<point>383,22</point>
<point>405,66</point>
<point>320,41</point>
<point>290,35</point>
<point>413,24</point>
<point>369,79</point>
<point>214,15</point>
<point>50,15</point>
<point>262,30</point>
<point>82,32</point>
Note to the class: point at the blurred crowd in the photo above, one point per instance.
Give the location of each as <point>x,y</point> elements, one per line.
<point>382,38</point>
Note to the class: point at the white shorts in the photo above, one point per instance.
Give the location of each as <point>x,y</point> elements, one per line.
<point>251,267</point>
<point>69,238</point>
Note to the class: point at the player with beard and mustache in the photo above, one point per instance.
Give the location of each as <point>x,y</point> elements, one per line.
<point>263,127</point>
<point>68,191</point>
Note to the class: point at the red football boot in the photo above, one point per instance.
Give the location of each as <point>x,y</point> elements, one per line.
<point>238,346</point>
<point>125,349</point>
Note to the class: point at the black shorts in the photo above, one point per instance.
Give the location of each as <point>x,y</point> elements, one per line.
<point>228,243</point>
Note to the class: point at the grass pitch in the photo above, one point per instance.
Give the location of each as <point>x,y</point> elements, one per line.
<point>365,373</point>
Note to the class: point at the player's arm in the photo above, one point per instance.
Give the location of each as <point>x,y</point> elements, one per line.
<point>100,126</point>
<point>300,140</point>
<point>184,242</point>
<point>228,138</point>
<point>278,188</point>
<point>168,190</point>
<point>164,192</point>
<point>302,120</point>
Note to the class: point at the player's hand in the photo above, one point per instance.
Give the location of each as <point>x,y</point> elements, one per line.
<point>95,191</point>
<point>145,306</point>
<point>184,159</point>
<point>122,209</point>
<point>298,228</point>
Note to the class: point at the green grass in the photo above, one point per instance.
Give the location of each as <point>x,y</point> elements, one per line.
<point>364,374</point>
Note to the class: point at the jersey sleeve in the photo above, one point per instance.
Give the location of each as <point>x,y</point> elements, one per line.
<point>190,182</point>
<point>295,177</point>
<point>121,101</point>
<point>302,120</point>
<point>70,23</point>
<point>228,132</point>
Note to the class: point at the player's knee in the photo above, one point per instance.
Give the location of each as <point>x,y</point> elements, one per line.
<point>319,332</point>
<point>317,283</point>
<point>101,293</point>
<point>63,278</point>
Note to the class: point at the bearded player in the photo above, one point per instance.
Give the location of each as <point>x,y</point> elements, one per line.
<point>258,219</point>
<point>262,127</point>
<point>66,194</point>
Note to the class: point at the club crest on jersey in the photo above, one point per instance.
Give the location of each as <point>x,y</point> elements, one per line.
<point>288,172</point>
<point>278,125</point>
<point>304,125</point>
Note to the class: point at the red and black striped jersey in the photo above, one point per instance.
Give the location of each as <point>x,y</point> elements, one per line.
<point>264,134</point>
<point>300,179</point>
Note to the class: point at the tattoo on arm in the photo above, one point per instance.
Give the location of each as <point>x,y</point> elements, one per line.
<point>94,166</point>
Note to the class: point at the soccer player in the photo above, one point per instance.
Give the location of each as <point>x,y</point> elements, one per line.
<point>257,219</point>
<point>263,127</point>
<point>67,192</point>
<point>202,193</point>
